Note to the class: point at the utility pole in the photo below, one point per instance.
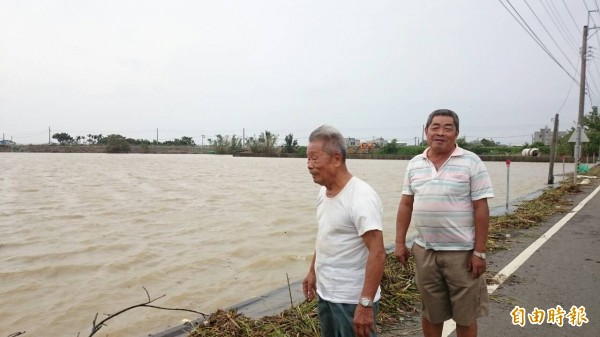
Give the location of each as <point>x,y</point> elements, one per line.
<point>49,142</point>
<point>156,136</point>
<point>553,151</point>
<point>577,151</point>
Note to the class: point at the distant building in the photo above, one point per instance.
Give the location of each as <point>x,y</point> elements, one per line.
<point>544,136</point>
<point>352,142</point>
<point>6,142</point>
<point>380,141</point>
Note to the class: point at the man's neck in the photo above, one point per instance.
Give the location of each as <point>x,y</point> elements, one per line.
<point>338,184</point>
<point>439,158</point>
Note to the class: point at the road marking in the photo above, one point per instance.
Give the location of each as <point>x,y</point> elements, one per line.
<point>506,272</point>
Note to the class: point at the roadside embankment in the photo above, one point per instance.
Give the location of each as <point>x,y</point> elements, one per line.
<point>512,158</point>
<point>54,148</point>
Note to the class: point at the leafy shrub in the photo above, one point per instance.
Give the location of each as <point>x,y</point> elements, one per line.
<point>117,144</point>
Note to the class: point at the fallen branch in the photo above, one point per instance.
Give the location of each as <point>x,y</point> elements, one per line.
<point>97,326</point>
<point>290,291</point>
<point>18,333</point>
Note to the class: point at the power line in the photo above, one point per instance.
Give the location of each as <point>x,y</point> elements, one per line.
<point>534,36</point>
<point>592,92</point>
<point>553,40</point>
<point>572,19</point>
<point>566,98</point>
<point>565,32</point>
<point>592,79</point>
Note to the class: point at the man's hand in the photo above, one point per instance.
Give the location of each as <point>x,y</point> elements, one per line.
<point>364,322</point>
<point>401,253</point>
<point>309,286</point>
<point>476,266</point>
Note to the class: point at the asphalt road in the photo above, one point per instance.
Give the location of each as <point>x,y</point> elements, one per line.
<point>564,272</point>
<point>555,264</point>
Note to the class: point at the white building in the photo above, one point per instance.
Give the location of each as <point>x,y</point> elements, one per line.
<point>544,136</point>
<point>352,142</point>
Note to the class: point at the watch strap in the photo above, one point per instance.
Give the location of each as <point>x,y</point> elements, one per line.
<point>366,302</point>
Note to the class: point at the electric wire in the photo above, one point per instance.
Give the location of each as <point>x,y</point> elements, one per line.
<point>586,6</point>
<point>591,92</point>
<point>559,23</point>
<point>528,29</point>
<point>594,64</point>
<point>572,19</point>
<point>550,35</point>
<point>535,38</point>
<point>566,98</point>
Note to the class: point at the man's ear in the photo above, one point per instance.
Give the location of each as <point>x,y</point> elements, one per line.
<point>338,159</point>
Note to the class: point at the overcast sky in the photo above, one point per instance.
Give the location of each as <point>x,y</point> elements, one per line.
<point>369,68</point>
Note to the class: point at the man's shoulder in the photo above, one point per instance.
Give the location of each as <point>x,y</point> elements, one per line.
<point>418,157</point>
<point>462,154</point>
<point>359,183</point>
<point>362,188</point>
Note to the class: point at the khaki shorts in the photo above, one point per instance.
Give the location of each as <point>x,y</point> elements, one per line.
<point>447,287</point>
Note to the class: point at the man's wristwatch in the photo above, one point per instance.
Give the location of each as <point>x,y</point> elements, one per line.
<point>366,302</point>
<point>479,255</point>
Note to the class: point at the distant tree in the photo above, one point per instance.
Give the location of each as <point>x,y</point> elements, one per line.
<point>391,147</point>
<point>145,148</point>
<point>63,138</point>
<point>140,141</point>
<point>249,141</point>
<point>462,142</point>
<point>221,144</point>
<point>117,144</point>
<point>265,143</point>
<point>270,140</point>
<point>290,144</point>
<point>302,151</point>
<point>563,147</point>
<point>236,144</point>
<point>410,150</point>
<point>487,143</point>
<point>545,149</point>
<point>94,139</point>
<point>187,141</point>
<point>591,122</point>
<point>184,141</point>
<point>102,140</point>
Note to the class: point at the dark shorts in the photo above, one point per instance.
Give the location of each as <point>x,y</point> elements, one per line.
<point>447,288</point>
<point>336,319</point>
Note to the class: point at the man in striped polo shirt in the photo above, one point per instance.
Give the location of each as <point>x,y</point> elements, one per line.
<point>445,197</point>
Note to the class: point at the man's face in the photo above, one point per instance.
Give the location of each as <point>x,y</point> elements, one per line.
<point>442,134</point>
<point>321,165</point>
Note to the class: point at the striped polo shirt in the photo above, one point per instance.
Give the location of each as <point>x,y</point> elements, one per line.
<point>443,208</point>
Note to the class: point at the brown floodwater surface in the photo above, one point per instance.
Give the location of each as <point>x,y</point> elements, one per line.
<point>81,234</point>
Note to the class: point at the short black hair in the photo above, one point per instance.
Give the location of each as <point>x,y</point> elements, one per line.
<point>443,112</point>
